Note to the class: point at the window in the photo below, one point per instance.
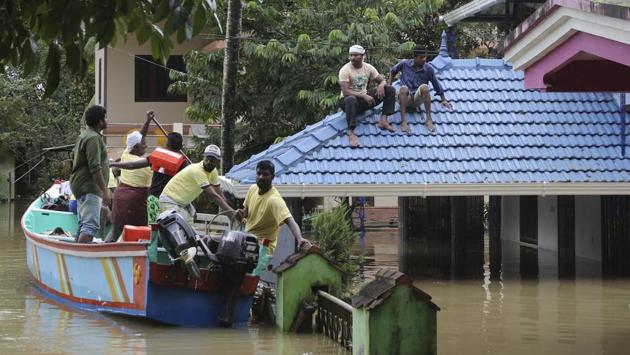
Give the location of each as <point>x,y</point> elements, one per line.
<point>152,81</point>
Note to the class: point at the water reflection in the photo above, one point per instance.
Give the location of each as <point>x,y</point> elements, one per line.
<point>514,299</point>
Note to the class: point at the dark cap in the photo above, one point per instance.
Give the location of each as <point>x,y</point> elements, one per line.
<point>419,51</point>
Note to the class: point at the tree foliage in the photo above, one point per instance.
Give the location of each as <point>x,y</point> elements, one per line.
<point>333,233</point>
<point>290,56</point>
<point>30,121</point>
<point>65,28</point>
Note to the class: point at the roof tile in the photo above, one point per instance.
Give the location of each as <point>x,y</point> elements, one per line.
<point>498,132</point>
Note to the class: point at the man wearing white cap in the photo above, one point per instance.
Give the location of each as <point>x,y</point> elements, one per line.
<point>129,202</point>
<point>354,78</point>
<point>189,183</point>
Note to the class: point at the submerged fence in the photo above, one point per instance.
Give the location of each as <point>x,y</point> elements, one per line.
<point>334,318</point>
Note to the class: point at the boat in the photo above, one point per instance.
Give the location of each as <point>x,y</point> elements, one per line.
<point>133,278</point>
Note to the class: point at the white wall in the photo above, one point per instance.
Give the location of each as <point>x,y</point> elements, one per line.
<point>120,94</point>
<point>548,222</point>
<point>385,201</point>
<point>510,209</point>
<point>588,232</point>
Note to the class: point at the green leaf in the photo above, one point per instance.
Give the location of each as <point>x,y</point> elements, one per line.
<point>155,47</point>
<point>73,57</point>
<point>188,27</point>
<point>143,33</point>
<point>212,5</point>
<point>161,11</point>
<point>199,20</point>
<point>53,64</point>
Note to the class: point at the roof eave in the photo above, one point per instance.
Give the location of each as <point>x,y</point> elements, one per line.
<point>424,190</point>
<point>467,10</point>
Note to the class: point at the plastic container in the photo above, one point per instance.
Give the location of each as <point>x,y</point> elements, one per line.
<point>136,233</point>
<point>263,258</point>
<point>165,161</point>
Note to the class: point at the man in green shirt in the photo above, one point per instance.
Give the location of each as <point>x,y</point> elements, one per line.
<point>90,174</point>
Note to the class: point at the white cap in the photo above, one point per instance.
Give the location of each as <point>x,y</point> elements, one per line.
<point>356,49</point>
<point>212,151</point>
<point>133,138</point>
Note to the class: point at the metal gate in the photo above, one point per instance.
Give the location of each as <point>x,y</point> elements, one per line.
<point>334,318</point>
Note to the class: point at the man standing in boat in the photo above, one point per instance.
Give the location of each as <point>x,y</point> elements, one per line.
<point>129,205</point>
<point>90,174</point>
<point>265,210</point>
<point>189,183</point>
<point>174,143</point>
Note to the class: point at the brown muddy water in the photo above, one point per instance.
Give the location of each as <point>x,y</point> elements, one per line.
<point>519,310</point>
<point>31,324</point>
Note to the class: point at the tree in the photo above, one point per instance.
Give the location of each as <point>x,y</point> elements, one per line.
<point>65,27</point>
<point>228,97</point>
<point>289,61</point>
<point>30,121</point>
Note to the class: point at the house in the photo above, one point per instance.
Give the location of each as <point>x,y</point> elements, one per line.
<point>573,45</point>
<point>550,162</point>
<point>128,82</point>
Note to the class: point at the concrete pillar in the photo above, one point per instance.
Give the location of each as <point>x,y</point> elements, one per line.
<point>510,210</point>
<point>403,206</point>
<point>494,231</point>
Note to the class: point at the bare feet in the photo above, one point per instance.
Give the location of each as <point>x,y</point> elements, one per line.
<point>354,140</point>
<point>405,127</point>
<point>384,124</point>
<point>430,126</point>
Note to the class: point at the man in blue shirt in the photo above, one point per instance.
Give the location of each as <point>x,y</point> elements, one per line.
<point>415,77</point>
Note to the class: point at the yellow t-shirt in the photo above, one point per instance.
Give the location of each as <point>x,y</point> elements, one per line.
<point>265,214</point>
<point>137,177</point>
<point>112,182</point>
<point>184,187</point>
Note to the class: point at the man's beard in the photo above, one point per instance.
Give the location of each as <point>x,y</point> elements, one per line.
<point>262,185</point>
<point>208,167</point>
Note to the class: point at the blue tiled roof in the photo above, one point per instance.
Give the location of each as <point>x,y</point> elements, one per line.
<point>498,132</point>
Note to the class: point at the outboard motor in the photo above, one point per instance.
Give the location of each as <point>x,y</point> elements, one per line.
<point>179,239</point>
<point>238,255</point>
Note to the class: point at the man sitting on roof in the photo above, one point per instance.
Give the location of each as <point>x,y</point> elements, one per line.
<point>129,202</point>
<point>354,78</point>
<point>265,210</point>
<point>184,187</point>
<point>414,79</point>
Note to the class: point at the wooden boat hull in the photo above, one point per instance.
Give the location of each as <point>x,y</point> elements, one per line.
<point>120,277</point>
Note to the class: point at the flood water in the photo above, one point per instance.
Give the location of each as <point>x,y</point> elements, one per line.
<point>31,324</point>
<point>516,307</point>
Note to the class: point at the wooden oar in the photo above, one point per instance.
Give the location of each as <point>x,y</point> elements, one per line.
<point>166,134</point>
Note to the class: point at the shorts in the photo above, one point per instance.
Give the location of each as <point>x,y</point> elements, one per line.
<point>414,102</point>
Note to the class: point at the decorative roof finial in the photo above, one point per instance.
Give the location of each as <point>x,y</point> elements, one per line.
<point>443,46</point>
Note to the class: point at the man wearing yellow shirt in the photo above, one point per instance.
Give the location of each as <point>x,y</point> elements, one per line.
<point>189,183</point>
<point>265,210</point>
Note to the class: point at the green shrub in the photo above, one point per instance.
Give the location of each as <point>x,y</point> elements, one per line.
<point>335,236</point>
